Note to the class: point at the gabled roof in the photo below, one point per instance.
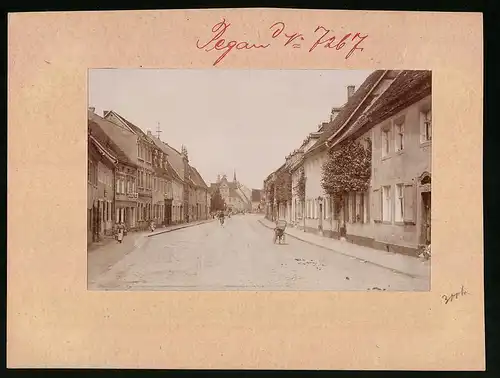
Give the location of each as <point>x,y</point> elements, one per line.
<point>163,147</point>
<point>233,193</point>
<point>175,159</point>
<point>407,88</point>
<point>198,180</point>
<point>102,150</point>
<point>354,105</point>
<point>120,141</point>
<point>134,128</point>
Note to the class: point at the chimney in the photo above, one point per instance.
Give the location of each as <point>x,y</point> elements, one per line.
<point>92,109</point>
<point>350,91</point>
<point>335,113</point>
<point>149,133</point>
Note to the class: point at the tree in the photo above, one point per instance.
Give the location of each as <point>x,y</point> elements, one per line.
<point>283,186</point>
<point>347,169</point>
<point>300,188</point>
<point>270,193</point>
<point>217,202</point>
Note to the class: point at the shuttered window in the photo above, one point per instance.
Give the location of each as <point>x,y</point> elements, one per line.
<point>377,205</point>
<point>346,208</point>
<point>366,207</point>
<point>410,200</point>
<point>386,204</point>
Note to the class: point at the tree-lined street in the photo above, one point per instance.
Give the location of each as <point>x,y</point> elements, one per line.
<point>241,256</point>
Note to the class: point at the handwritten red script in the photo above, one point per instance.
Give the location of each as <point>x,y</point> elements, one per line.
<point>323,37</point>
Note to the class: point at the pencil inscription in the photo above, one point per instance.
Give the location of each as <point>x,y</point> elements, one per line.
<point>453,296</point>
<point>281,35</point>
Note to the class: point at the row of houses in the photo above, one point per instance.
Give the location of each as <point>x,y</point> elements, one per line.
<point>366,174</point>
<point>135,178</point>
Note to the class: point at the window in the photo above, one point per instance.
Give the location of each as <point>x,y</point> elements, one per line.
<point>385,142</point>
<point>426,125</point>
<point>327,210</point>
<point>399,132</point>
<point>386,203</point>
<point>399,211</point>
<point>359,209</point>
<point>366,217</point>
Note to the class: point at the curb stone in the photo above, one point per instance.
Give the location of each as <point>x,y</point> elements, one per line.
<point>345,254</point>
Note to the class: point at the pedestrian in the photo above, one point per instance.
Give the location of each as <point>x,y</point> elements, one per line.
<point>120,233</point>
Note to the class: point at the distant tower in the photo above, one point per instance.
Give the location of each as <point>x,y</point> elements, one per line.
<point>234,177</point>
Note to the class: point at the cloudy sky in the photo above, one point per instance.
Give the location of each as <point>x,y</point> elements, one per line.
<point>243,120</point>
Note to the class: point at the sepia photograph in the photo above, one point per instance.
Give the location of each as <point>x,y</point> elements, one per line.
<point>260,180</point>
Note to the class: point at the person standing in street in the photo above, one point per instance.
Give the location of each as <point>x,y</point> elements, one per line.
<point>221,218</point>
<point>120,233</point>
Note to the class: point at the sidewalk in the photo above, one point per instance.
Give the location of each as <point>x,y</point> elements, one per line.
<point>103,255</point>
<point>408,265</point>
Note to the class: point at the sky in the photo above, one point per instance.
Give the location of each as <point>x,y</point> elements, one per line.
<point>230,120</point>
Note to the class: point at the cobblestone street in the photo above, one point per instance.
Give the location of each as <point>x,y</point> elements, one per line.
<point>241,256</point>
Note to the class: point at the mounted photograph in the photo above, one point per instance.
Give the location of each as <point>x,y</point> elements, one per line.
<point>259,180</point>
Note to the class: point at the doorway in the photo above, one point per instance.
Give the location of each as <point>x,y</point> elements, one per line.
<point>168,212</point>
<point>95,223</point>
<point>426,218</point>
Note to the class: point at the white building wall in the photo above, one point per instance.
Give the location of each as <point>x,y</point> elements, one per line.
<point>313,172</point>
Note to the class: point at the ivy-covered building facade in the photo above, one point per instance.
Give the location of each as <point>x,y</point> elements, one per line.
<point>365,175</point>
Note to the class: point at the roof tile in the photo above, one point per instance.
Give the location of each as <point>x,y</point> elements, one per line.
<point>348,108</point>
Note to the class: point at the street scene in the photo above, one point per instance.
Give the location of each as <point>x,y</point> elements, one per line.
<point>241,255</point>
<point>190,189</point>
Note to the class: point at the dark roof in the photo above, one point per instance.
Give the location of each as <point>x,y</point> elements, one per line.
<point>113,138</point>
<point>353,102</point>
<point>256,195</point>
<point>137,129</point>
<point>176,160</point>
<point>408,87</point>
<point>198,180</point>
<point>167,151</point>
<point>107,154</point>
